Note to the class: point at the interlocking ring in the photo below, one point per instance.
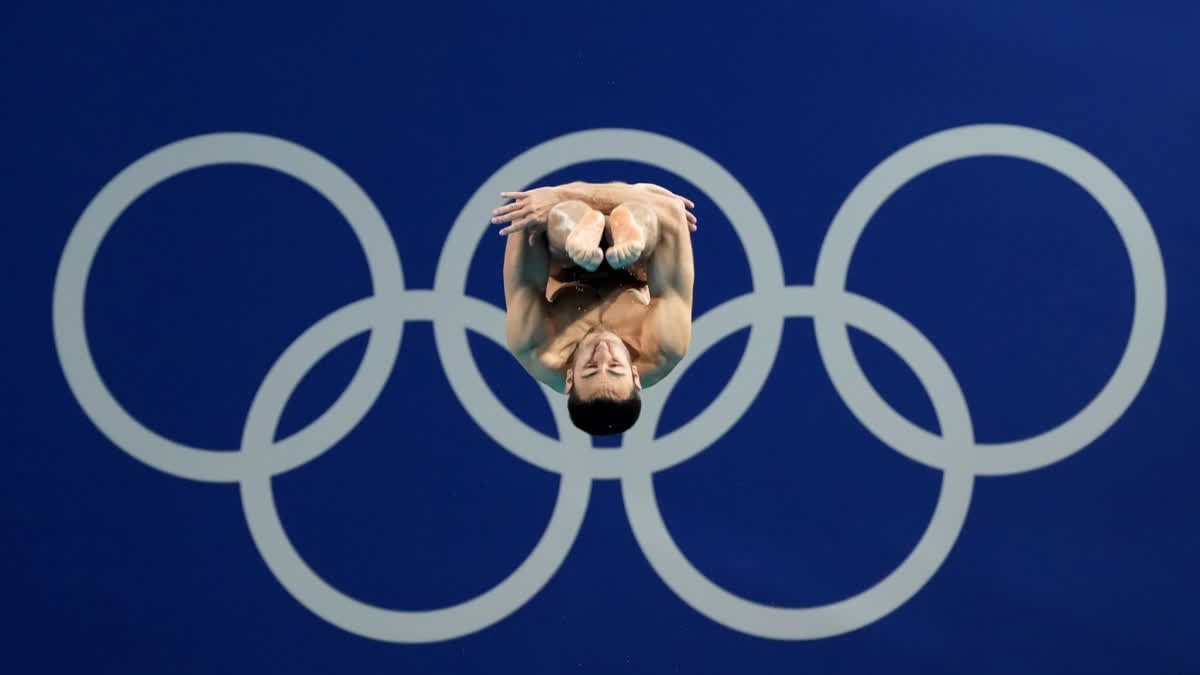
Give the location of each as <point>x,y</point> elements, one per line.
<point>832,308</point>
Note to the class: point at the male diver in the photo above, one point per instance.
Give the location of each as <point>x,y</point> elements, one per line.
<point>598,284</point>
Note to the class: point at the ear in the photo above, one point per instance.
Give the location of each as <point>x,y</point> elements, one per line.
<point>637,379</point>
<point>571,380</point>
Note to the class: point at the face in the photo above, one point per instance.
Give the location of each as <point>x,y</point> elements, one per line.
<point>601,368</point>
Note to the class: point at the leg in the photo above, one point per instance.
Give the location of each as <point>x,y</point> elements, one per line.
<point>634,228</point>
<point>573,232</point>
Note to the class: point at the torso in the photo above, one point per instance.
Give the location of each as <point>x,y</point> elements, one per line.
<point>616,299</point>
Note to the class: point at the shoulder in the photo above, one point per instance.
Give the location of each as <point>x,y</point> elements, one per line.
<point>525,319</point>
<point>670,322</point>
<point>669,325</point>
<point>533,364</point>
<point>652,368</point>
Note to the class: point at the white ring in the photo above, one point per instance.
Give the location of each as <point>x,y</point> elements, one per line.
<point>70,283</point>
<point>1149,280</point>
<point>307,586</point>
<point>896,588</point>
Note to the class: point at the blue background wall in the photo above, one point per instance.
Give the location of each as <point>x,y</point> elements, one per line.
<point>1010,269</point>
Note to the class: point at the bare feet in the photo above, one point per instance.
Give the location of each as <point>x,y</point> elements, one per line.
<point>583,244</point>
<point>629,238</point>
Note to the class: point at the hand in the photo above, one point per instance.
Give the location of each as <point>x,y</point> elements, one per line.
<point>664,192</point>
<point>528,213</point>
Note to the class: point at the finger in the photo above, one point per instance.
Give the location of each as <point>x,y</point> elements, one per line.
<point>504,217</point>
<point>518,226</point>
<point>691,217</point>
<point>692,227</point>
<point>515,227</point>
<point>506,208</point>
<point>512,195</point>
<point>690,204</point>
<point>508,217</point>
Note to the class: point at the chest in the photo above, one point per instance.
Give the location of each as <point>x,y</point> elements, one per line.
<point>583,307</point>
<point>575,311</point>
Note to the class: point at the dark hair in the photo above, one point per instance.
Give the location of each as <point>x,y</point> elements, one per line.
<point>604,416</point>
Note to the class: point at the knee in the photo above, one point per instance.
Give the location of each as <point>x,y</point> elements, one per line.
<point>571,211</point>
<point>640,211</point>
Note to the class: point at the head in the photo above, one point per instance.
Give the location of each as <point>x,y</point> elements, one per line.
<point>603,387</point>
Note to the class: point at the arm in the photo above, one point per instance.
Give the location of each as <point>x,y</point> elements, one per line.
<point>531,209</point>
<point>526,268</point>
<point>672,275</point>
<point>527,321</point>
<point>604,197</point>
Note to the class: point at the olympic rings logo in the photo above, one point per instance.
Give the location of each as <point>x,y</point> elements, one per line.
<point>831,307</point>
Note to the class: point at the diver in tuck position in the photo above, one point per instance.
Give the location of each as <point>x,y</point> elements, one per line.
<point>598,283</point>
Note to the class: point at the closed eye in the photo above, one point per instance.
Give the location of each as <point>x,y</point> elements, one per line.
<point>613,372</point>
